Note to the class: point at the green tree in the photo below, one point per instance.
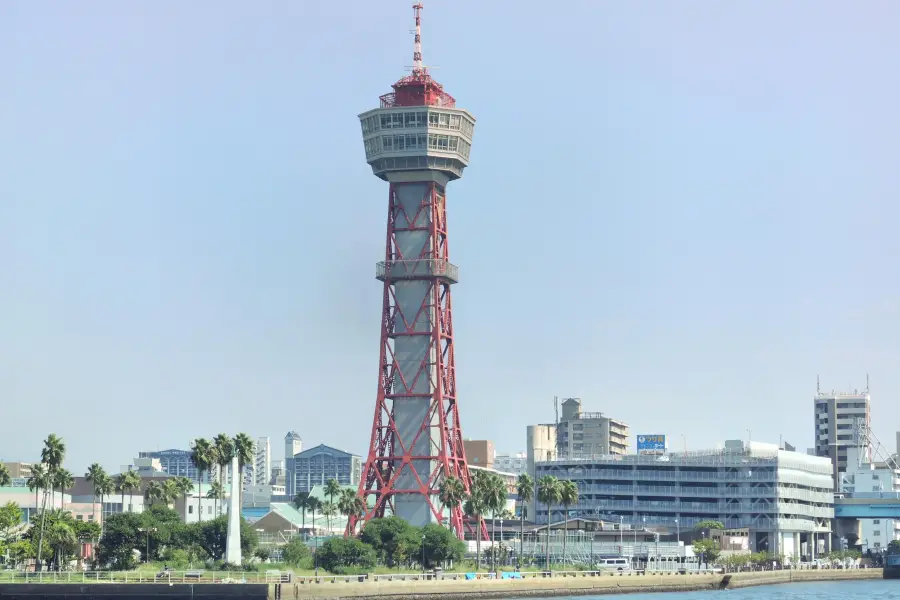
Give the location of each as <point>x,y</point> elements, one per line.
<point>392,538</point>
<point>20,551</point>
<point>313,504</point>
<point>183,486</point>
<point>495,494</point>
<point>212,537</point>
<point>295,553</point>
<point>104,487</point>
<point>216,491</point>
<point>337,555</point>
<point>52,456</point>
<point>153,492</point>
<point>568,495</point>
<point>332,489</point>
<point>121,537</point>
<point>63,480</point>
<point>5,477</point>
<point>94,475</point>
<point>525,491</point>
<point>300,505</point>
<point>61,539</point>
<point>10,521</point>
<point>39,480</point>
<point>440,544</point>
<point>245,450</point>
<point>476,506</point>
<point>131,482</point>
<point>549,493</point>
<point>451,493</point>
<point>202,455</point>
<point>709,524</point>
<point>707,550</point>
<point>351,506</point>
<point>224,452</point>
<point>328,511</point>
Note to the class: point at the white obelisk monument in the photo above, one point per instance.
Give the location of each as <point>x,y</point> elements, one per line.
<point>233,537</point>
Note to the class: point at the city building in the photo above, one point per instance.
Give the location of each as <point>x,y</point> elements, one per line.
<point>479,453</point>
<point>865,479</point>
<point>278,473</point>
<point>838,417</point>
<point>318,465</point>
<point>263,467</point>
<point>293,446</point>
<point>512,463</point>
<point>31,501</point>
<point>176,463</point>
<point>784,499</point>
<point>582,434</point>
<point>22,470</point>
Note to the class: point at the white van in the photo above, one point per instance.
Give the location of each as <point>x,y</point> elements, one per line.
<point>613,564</point>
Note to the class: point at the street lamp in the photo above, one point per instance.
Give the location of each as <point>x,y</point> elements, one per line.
<point>501,539</point>
<point>148,531</point>
<point>423,555</point>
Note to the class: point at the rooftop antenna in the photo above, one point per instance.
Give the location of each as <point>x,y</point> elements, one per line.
<point>556,408</point>
<point>867,383</point>
<point>818,387</point>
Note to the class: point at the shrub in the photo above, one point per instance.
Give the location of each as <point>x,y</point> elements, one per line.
<point>339,554</point>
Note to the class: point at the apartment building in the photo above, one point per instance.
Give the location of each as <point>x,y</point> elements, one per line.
<point>581,434</point>
<point>837,418</point>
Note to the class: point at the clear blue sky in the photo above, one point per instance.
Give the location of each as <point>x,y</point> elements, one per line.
<point>680,211</point>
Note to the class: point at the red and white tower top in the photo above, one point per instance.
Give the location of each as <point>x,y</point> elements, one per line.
<point>418,88</point>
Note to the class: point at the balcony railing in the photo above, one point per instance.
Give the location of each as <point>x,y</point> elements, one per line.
<point>422,268</point>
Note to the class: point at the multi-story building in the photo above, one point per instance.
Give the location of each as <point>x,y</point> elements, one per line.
<point>581,434</point>
<point>18,470</point>
<point>864,479</point>
<point>783,499</point>
<point>838,416</point>
<point>318,465</point>
<point>511,463</point>
<point>174,462</point>
<point>293,446</point>
<point>479,453</point>
<point>263,470</point>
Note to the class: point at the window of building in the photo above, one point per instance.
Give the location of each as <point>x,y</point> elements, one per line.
<point>876,521</point>
<point>191,509</point>
<point>877,532</point>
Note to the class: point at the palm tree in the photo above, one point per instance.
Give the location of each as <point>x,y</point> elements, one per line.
<point>332,489</point>
<point>37,481</point>
<point>525,491</point>
<point>548,493</point>
<point>5,477</point>
<point>120,481</point>
<point>245,450</point>
<point>63,480</point>
<point>202,457</point>
<point>216,491</point>
<point>105,486</point>
<point>495,493</point>
<point>224,452</point>
<point>52,456</point>
<point>300,504</point>
<point>183,486</point>
<point>153,491</point>
<point>313,504</point>
<point>451,493</point>
<point>568,495</point>
<point>94,476</point>
<point>132,483</point>
<point>351,505</point>
<point>476,506</point>
<point>170,491</point>
<point>328,511</point>
<point>59,537</point>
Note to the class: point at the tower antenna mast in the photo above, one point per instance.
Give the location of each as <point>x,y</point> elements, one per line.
<point>417,45</point>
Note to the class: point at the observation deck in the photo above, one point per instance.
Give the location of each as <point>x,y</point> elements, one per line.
<point>422,268</point>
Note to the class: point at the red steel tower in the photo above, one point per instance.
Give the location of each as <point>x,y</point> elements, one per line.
<point>417,141</point>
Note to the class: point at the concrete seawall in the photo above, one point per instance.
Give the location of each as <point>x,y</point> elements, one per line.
<point>551,586</point>
<point>132,591</point>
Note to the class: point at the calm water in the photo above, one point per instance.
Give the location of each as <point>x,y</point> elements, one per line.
<point>837,590</point>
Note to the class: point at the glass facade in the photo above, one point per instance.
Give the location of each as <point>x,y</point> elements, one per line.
<point>176,462</point>
<point>318,465</point>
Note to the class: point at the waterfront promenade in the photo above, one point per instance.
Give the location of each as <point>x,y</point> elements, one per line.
<point>570,583</point>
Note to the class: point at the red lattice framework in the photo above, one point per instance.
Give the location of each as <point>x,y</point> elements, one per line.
<point>389,454</point>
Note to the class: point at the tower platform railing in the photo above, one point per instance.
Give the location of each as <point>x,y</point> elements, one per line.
<point>422,268</point>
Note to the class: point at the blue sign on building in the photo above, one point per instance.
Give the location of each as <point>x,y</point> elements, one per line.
<point>652,444</point>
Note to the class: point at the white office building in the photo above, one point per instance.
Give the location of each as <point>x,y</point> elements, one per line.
<point>864,479</point>
<point>263,471</point>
